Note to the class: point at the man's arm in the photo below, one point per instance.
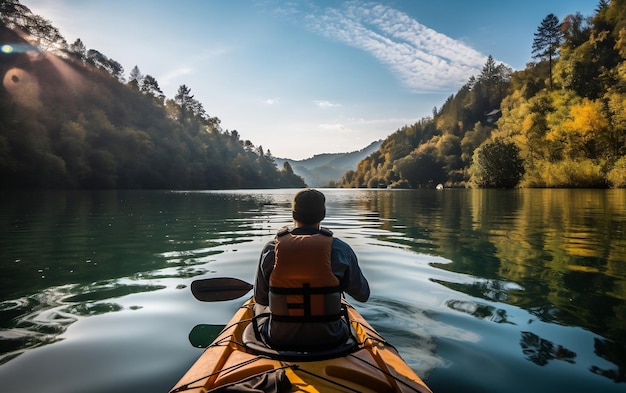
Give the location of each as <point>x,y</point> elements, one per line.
<point>346,267</point>
<point>264,269</point>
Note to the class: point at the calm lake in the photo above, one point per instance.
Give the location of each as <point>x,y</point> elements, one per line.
<point>480,290</point>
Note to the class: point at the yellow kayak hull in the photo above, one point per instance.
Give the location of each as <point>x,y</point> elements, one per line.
<point>372,365</point>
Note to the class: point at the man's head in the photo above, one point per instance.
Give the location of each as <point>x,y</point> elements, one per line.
<point>308,207</point>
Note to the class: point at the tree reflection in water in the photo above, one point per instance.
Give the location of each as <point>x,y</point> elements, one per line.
<point>41,319</point>
<point>478,310</point>
<point>540,351</point>
<point>614,353</point>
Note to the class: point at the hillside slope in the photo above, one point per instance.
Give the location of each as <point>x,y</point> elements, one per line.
<point>69,120</point>
<point>560,122</point>
<point>322,169</point>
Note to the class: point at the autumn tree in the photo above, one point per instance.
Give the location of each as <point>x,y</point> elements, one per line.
<point>587,130</point>
<point>617,174</point>
<point>575,30</point>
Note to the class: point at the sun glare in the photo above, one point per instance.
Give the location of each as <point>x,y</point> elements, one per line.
<point>7,48</point>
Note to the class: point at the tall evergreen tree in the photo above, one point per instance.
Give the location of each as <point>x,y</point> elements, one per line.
<point>547,40</point>
<point>150,86</point>
<point>135,78</point>
<point>78,50</point>
<point>184,99</point>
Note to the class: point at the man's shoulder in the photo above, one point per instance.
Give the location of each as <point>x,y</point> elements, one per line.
<point>341,245</point>
<point>269,246</point>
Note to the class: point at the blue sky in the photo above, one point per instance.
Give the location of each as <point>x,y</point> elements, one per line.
<point>308,77</point>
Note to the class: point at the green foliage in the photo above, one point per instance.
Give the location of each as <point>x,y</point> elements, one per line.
<point>422,168</point>
<point>548,37</point>
<point>439,149</point>
<point>497,164</point>
<point>322,169</point>
<point>561,122</point>
<point>472,139</point>
<point>71,122</point>
<point>547,41</point>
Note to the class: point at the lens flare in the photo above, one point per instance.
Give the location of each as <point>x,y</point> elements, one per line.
<point>22,87</point>
<point>19,48</point>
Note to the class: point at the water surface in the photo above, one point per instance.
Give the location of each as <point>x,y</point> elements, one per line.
<point>480,290</point>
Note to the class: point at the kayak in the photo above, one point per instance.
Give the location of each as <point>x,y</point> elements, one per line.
<point>238,361</point>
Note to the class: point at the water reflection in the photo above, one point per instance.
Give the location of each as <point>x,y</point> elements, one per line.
<point>409,329</point>
<point>613,353</point>
<point>461,277</point>
<point>564,248</point>
<point>41,319</point>
<point>31,322</point>
<point>76,233</point>
<point>68,253</point>
<point>495,290</point>
<point>28,323</point>
<point>559,254</point>
<point>478,310</point>
<point>108,290</point>
<point>541,351</point>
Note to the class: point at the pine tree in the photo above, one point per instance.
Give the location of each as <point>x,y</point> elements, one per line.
<point>78,49</point>
<point>135,78</point>
<point>547,40</point>
<point>184,100</point>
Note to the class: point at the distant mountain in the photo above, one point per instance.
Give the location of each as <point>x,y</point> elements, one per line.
<point>318,170</point>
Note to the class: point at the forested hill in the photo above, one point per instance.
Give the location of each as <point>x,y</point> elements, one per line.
<point>324,169</point>
<point>560,122</point>
<point>69,119</point>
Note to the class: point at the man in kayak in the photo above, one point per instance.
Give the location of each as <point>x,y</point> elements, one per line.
<point>301,275</point>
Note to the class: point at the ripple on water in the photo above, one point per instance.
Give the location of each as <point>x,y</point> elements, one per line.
<point>34,321</point>
<point>407,328</point>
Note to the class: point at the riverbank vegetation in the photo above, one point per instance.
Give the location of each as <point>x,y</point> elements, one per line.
<point>71,119</point>
<point>560,122</point>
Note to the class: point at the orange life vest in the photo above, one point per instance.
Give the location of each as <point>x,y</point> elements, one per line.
<point>303,287</point>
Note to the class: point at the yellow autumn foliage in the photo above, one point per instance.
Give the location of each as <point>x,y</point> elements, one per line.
<point>586,119</point>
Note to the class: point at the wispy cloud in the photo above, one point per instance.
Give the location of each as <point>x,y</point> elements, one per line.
<point>326,104</point>
<point>333,127</point>
<point>173,75</point>
<point>271,101</point>
<point>423,59</point>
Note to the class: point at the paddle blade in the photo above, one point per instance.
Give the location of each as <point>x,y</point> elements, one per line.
<point>201,336</point>
<point>219,289</point>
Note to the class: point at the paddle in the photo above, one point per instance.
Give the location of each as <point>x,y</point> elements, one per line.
<point>201,336</point>
<point>219,289</point>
